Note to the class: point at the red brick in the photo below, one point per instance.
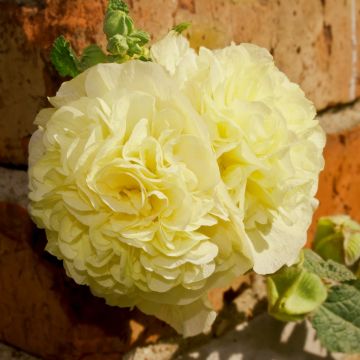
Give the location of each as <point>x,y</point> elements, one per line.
<point>339,186</point>
<point>312,42</point>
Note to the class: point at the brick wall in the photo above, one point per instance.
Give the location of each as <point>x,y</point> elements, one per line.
<point>315,42</point>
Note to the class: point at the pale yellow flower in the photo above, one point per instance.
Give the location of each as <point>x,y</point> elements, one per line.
<point>267,143</point>
<point>125,182</point>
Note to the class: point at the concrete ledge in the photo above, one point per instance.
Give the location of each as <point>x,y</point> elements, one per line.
<point>341,119</point>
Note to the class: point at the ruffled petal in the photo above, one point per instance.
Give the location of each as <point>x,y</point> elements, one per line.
<point>188,320</point>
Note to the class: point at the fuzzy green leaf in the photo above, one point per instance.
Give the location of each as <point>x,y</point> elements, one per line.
<point>337,320</point>
<point>91,56</point>
<point>326,269</point>
<point>64,58</point>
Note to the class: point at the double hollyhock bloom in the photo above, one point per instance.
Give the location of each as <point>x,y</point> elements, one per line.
<point>158,181</point>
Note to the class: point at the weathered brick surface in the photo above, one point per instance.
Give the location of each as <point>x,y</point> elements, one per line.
<point>315,42</point>
<point>339,186</point>
<point>22,88</point>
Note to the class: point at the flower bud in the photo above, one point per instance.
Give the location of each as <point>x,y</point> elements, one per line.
<point>136,41</point>
<point>118,5</point>
<point>293,293</point>
<point>117,45</point>
<point>141,37</point>
<point>338,238</point>
<point>117,22</point>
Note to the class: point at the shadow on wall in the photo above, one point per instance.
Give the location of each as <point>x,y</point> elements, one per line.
<point>263,338</point>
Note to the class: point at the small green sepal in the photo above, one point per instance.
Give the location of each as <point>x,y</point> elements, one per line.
<point>91,56</point>
<point>179,28</point>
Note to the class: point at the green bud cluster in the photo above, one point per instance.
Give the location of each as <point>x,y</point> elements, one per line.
<point>124,40</point>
